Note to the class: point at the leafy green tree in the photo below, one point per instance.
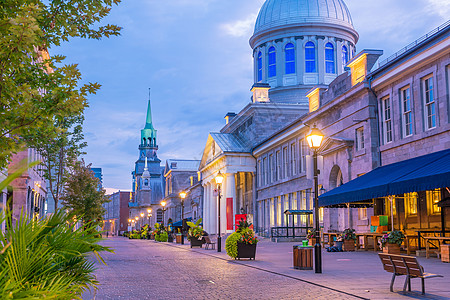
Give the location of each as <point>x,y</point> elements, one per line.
<point>82,194</point>
<point>38,91</point>
<point>59,150</point>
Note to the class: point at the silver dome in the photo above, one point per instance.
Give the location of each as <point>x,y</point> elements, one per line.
<point>294,12</point>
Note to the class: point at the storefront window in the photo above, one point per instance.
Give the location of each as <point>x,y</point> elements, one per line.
<point>411,203</point>
<point>278,211</point>
<point>433,197</point>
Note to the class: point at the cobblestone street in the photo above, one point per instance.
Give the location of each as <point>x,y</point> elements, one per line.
<point>142,269</point>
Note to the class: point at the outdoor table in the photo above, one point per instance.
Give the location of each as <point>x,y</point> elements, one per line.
<point>330,236</point>
<point>433,238</point>
<point>366,236</point>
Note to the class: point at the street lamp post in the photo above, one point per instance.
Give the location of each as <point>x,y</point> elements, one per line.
<point>219,180</point>
<point>182,195</point>
<point>315,139</point>
<point>142,219</point>
<point>149,214</point>
<point>163,204</point>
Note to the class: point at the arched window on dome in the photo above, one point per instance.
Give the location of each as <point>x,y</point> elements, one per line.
<point>290,58</point>
<point>272,62</point>
<point>344,56</point>
<point>310,57</point>
<point>259,66</point>
<point>329,58</point>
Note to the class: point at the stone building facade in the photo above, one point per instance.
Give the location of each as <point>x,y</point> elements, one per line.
<point>117,213</point>
<point>180,175</point>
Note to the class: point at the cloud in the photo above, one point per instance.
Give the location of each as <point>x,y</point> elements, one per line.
<point>240,28</point>
<point>442,7</point>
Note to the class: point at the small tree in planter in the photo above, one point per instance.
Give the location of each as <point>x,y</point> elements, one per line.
<point>349,238</point>
<point>242,243</point>
<point>195,233</point>
<point>392,241</point>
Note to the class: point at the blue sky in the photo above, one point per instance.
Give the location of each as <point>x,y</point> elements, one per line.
<point>195,56</point>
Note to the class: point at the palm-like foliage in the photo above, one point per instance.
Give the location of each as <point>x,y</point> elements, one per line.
<point>47,258</point>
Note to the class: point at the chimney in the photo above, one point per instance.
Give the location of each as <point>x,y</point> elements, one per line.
<point>230,117</point>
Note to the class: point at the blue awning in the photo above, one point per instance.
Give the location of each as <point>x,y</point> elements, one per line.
<point>180,223</point>
<point>422,173</point>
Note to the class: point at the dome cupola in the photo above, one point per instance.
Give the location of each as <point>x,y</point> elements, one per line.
<point>298,44</point>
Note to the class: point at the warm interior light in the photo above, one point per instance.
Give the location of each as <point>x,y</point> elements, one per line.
<point>183,195</point>
<point>315,138</point>
<point>163,203</point>
<point>219,178</point>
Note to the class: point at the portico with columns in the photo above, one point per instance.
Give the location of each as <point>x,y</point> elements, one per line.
<point>223,152</point>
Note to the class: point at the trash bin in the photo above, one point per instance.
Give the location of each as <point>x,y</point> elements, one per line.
<point>303,257</point>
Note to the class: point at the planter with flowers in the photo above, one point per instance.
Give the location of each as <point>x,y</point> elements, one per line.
<point>242,243</point>
<point>195,233</point>
<point>392,241</point>
<point>311,237</point>
<point>349,238</point>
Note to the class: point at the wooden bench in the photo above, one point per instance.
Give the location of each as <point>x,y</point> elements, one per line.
<point>209,244</point>
<point>404,265</point>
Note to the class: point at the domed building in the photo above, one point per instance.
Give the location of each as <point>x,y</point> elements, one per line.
<point>299,44</point>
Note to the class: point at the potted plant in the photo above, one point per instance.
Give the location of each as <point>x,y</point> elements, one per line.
<point>195,233</point>
<point>349,238</point>
<point>311,236</point>
<point>392,241</point>
<point>242,243</point>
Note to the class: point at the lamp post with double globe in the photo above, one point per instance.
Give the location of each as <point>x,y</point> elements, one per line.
<point>163,204</point>
<point>315,139</point>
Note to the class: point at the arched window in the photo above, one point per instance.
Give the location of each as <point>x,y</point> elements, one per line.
<point>310,57</point>
<point>329,58</point>
<point>344,56</point>
<point>272,62</point>
<point>259,66</point>
<point>290,58</point>
<point>143,141</point>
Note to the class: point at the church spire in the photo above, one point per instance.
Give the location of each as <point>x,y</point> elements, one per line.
<point>149,123</point>
<point>148,134</point>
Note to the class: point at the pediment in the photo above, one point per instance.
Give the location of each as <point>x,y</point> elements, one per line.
<point>335,144</point>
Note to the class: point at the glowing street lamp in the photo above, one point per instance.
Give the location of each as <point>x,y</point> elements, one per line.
<point>219,180</point>
<point>182,196</point>
<point>315,139</point>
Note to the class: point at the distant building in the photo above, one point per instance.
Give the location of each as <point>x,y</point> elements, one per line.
<point>117,213</point>
<point>27,192</point>
<point>99,175</point>
<point>148,177</point>
<point>181,175</point>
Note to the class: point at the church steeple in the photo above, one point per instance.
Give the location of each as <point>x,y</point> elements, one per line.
<point>148,134</point>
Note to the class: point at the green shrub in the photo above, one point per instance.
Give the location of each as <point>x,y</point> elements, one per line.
<point>47,258</point>
<point>231,244</point>
<point>163,237</point>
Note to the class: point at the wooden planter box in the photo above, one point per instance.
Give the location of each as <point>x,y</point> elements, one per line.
<point>246,251</point>
<point>178,238</point>
<point>349,245</point>
<point>303,258</point>
<point>445,253</point>
<point>391,248</point>
<point>196,242</point>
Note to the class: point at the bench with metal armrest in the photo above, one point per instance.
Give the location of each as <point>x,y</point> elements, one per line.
<point>404,265</point>
<point>209,244</point>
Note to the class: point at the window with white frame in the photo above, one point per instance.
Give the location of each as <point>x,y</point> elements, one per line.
<point>290,58</point>
<point>270,168</point>
<point>429,102</point>
<point>387,119</point>
<point>405,98</point>
<point>265,170</point>
<point>362,213</point>
<point>278,165</point>
<point>303,152</point>
<point>285,162</point>
<point>310,57</point>
<point>359,138</point>
<point>293,159</point>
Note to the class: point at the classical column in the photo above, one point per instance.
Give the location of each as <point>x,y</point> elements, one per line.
<point>229,191</point>
<point>213,209</point>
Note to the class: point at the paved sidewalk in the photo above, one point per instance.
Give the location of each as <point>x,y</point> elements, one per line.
<point>359,273</point>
